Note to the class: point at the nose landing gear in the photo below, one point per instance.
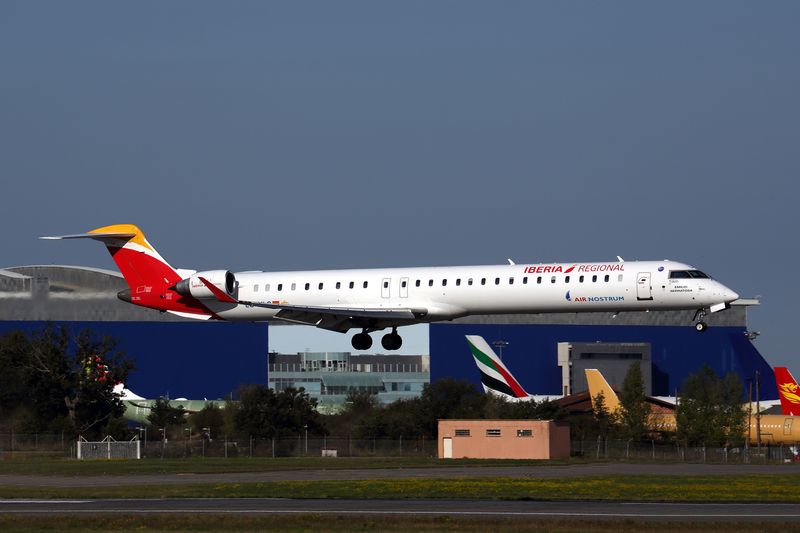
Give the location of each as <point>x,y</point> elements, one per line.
<point>700,326</point>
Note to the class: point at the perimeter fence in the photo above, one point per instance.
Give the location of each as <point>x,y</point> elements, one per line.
<point>57,445</point>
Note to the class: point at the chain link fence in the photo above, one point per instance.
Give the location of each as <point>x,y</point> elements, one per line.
<point>32,446</point>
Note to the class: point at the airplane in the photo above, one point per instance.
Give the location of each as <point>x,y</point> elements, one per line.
<point>376,299</point>
<point>137,408</point>
<point>496,378</point>
<point>788,391</point>
<point>774,429</point>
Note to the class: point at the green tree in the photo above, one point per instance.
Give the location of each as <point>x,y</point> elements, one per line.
<point>164,416</point>
<point>605,421</point>
<point>634,410</point>
<point>210,416</point>
<point>263,413</point>
<point>448,398</point>
<point>710,410</point>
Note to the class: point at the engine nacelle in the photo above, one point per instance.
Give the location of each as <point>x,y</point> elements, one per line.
<point>192,286</point>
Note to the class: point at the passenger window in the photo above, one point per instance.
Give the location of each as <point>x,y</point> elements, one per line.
<point>255,287</point>
<point>607,278</point>
<point>338,284</point>
<point>366,283</point>
<point>458,282</point>
<point>619,278</point>
<point>497,281</point>
<point>308,285</point>
<point>594,279</point>
<point>280,286</point>
<point>352,284</point>
<point>320,286</point>
<point>580,279</point>
<point>417,283</point>
<point>510,281</point>
<point>404,284</point>
<point>444,283</point>
<point>566,280</point>
<point>539,279</point>
<point>385,284</point>
<point>294,286</point>
<point>469,281</point>
<point>483,281</point>
<point>266,287</point>
<point>525,280</point>
<point>553,279</point>
<point>430,283</point>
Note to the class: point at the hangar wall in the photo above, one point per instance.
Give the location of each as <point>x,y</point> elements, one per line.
<point>532,352</point>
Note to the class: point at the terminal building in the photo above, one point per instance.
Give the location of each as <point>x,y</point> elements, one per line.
<point>546,352</point>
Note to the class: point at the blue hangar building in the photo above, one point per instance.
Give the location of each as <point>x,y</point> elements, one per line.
<point>547,353</point>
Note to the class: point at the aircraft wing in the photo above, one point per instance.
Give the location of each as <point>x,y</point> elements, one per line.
<point>340,318</point>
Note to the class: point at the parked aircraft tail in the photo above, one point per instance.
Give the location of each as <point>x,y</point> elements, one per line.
<point>598,384</point>
<point>495,377</point>
<point>788,391</point>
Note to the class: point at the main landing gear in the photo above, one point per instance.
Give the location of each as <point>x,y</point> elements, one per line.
<point>700,326</point>
<point>390,341</point>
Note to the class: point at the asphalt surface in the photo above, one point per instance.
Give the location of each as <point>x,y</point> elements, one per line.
<point>530,472</point>
<point>732,512</point>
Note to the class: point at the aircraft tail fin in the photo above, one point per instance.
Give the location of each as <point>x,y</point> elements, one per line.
<point>788,391</point>
<point>598,384</point>
<point>137,260</point>
<point>495,377</point>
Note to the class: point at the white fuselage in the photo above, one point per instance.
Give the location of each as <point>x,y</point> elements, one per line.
<point>449,292</point>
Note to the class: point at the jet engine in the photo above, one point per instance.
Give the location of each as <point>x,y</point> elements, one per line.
<point>224,280</point>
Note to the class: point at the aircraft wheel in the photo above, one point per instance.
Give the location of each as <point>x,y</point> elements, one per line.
<point>391,341</point>
<point>362,341</point>
<point>700,327</point>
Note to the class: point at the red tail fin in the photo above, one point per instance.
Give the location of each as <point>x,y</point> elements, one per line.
<point>788,390</point>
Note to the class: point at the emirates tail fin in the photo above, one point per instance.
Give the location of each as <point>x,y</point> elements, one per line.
<point>495,377</point>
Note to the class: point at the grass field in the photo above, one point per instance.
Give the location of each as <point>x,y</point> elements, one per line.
<point>734,488</point>
<point>315,523</point>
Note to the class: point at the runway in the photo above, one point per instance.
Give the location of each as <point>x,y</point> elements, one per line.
<point>477,508</point>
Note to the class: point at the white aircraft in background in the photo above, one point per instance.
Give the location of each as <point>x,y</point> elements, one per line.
<point>380,298</point>
<point>496,378</point>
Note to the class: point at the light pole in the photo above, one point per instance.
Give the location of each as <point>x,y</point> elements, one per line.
<point>305,427</point>
<point>500,344</point>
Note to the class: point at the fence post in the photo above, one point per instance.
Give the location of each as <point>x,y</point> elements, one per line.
<point>628,449</point>
<point>226,446</point>
<point>401,444</point>
<point>273,447</point>
<point>350,446</point>
<point>653,443</point>
<point>251,446</point>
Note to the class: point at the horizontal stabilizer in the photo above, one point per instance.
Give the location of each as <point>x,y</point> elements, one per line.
<point>98,236</point>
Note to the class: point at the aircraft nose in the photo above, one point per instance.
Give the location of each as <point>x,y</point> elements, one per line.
<point>730,295</point>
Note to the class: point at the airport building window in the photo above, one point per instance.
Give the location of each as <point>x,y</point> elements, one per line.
<point>566,279</point>
<point>308,286</point>
<point>492,432</point>
<point>594,279</point>
<point>352,284</point>
<point>524,433</point>
<point>462,433</point>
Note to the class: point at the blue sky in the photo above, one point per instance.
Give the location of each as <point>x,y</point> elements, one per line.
<point>262,135</point>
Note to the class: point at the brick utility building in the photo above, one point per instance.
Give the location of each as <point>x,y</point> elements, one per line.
<point>503,439</point>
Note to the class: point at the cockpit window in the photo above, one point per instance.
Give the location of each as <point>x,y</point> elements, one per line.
<point>686,274</point>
